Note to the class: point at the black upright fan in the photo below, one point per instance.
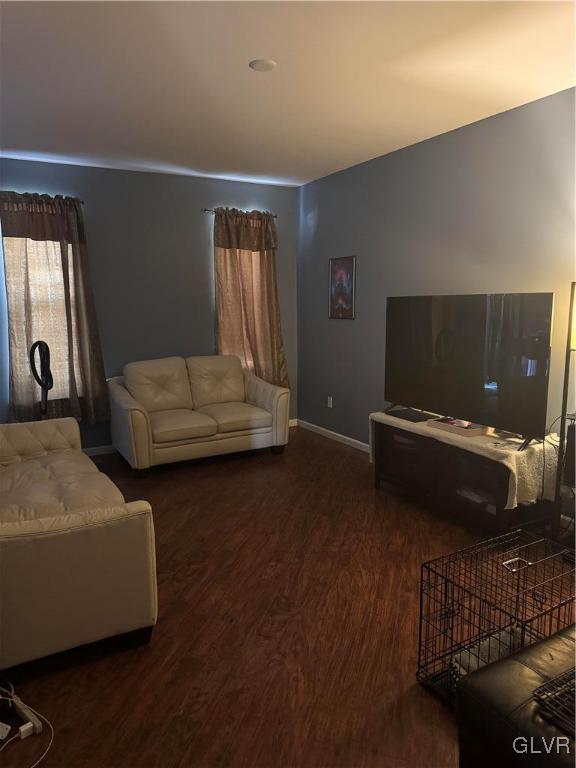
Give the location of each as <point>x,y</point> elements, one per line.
<point>44,379</point>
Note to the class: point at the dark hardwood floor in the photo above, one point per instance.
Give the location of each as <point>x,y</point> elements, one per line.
<point>287,633</point>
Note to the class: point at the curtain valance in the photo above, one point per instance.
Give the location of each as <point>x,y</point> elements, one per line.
<point>41,217</point>
<point>246,231</point>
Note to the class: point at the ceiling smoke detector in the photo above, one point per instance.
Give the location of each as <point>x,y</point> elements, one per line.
<point>262,65</point>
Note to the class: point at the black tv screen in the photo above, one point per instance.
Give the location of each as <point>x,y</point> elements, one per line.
<point>483,358</point>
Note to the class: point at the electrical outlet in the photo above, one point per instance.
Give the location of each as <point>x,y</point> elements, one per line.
<point>329,401</point>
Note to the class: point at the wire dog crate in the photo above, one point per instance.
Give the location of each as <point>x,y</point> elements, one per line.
<point>483,603</point>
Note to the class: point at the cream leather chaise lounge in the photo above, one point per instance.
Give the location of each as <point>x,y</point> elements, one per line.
<point>77,563</point>
<point>175,408</point>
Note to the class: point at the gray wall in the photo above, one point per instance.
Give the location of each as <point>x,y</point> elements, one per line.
<point>485,208</point>
<point>150,251</point>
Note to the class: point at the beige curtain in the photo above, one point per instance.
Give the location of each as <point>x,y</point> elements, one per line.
<point>49,299</point>
<point>247,311</point>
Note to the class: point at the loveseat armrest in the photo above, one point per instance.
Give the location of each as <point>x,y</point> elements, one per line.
<point>130,425</point>
<point>28,439</point>
<point>275,400</point>
<point>75,579</point>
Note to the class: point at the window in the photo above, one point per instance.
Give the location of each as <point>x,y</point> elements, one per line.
<point>37,310</point>
<point>48,298</point>
<point>247,309</point>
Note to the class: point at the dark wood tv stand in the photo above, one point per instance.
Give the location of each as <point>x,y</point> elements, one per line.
<point>414,459</point>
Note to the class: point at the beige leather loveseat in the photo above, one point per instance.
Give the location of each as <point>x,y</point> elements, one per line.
<point>77,563</point>
<point>180,408</point>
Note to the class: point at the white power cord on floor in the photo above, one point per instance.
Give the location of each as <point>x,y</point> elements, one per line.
<point>8,694</point>
<point>16,736</point>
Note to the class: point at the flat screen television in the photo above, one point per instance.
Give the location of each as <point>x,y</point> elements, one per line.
<point>483,358</point>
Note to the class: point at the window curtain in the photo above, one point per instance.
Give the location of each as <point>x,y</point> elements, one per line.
<point>247,310</point>
<point>49,298</point>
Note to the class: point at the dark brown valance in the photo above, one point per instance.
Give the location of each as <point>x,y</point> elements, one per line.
<point>246,231</point>
<point>41,217</point>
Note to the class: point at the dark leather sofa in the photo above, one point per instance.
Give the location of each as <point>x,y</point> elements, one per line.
<point>496,711</point>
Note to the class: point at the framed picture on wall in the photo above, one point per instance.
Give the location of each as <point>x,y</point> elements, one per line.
<point>342,288</point>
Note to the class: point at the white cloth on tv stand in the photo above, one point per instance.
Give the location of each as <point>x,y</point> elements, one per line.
<point>527,472</point>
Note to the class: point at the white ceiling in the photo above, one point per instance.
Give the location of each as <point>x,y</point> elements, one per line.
<point>166,86</point>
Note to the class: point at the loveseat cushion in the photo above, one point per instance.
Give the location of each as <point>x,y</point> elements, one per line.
<point>233,417</point>
<point>159,385</point>
<point>180,424</point>
<point>56,465</point>
<point>22,441</point>
<point>216,379</point>
<point>54,484</point>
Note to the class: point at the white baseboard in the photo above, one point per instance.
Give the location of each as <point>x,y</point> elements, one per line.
<point>335,436</point>
<point>293,423</point>
<point>99,450</point>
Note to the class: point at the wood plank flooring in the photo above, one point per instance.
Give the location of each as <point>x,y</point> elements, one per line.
<point>287,634</point>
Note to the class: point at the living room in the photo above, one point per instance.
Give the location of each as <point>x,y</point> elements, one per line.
<point>304,274</point>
